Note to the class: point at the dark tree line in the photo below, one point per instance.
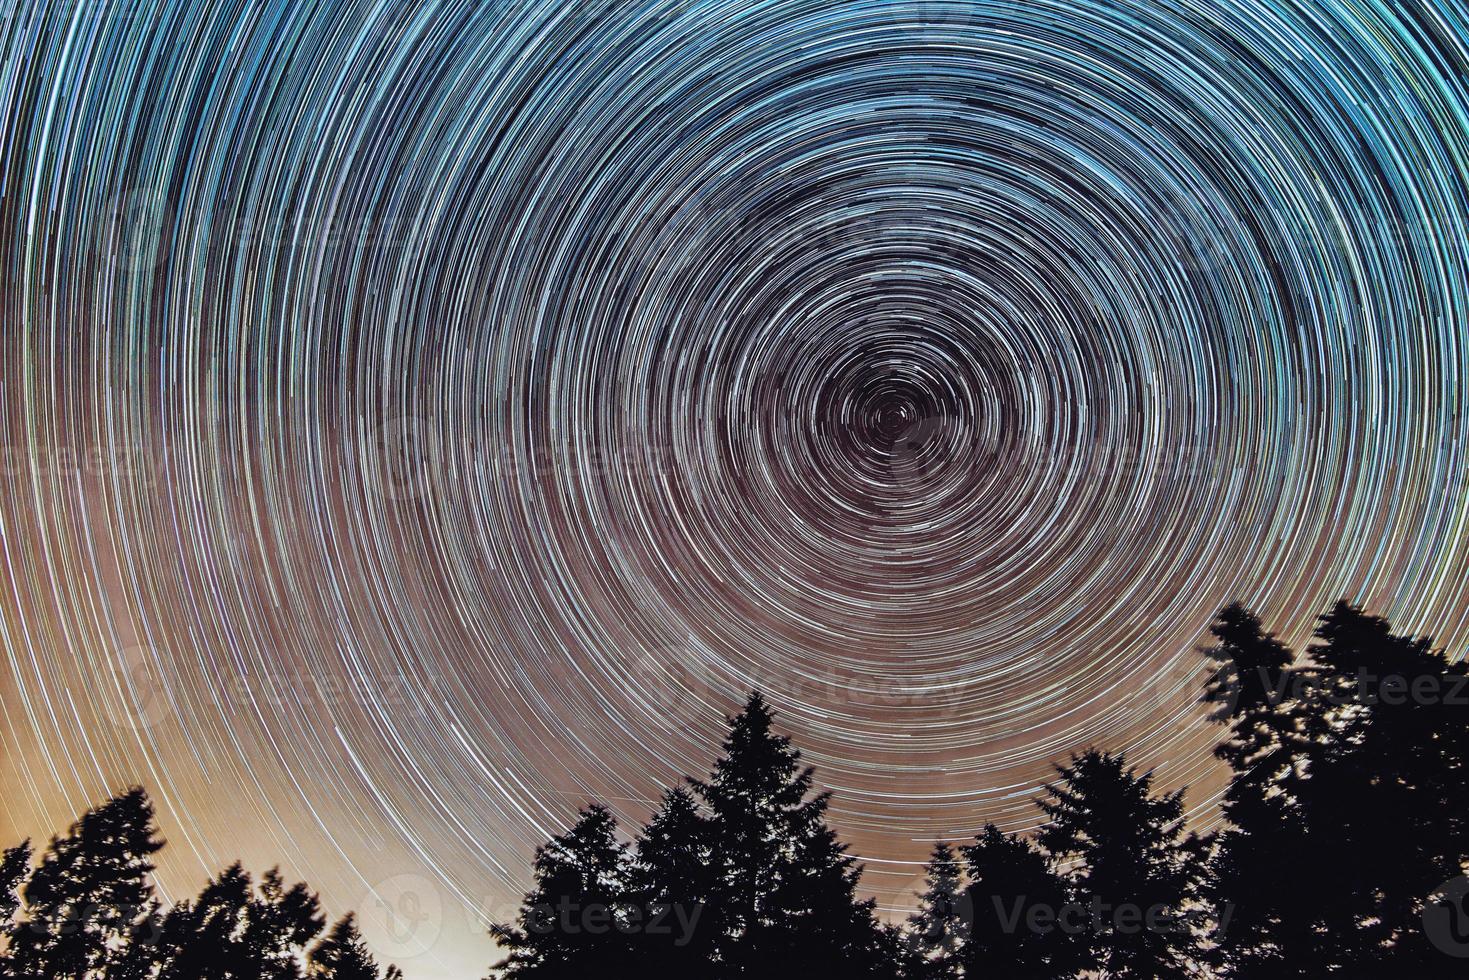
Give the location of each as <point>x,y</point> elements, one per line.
<point>88,910</point>
<point>1346,839</point>
<point>1347,814</point>
<point>1349,803</point>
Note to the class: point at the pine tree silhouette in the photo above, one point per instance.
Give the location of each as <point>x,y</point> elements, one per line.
<point>202,939</point>
<point>1137,867</point>
<point>280,923</point>
<point>673,882</point>
<point>825,925</point>
<point>89,894</point>
<point>233,931</point>
<point>1348,803</point>
<point>1013,899</point>
<point>573,922</point>
<point>1385,799</point>
<point>89,911</point>
<point>1269,921</point>
<point>1348,813</point>
<point>342,955</point>
<point>940,927</point>
<point>786,888</point>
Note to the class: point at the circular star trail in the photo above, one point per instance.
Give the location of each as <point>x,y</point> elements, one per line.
<point>422,419</point>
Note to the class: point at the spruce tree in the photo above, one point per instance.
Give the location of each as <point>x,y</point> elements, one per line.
<point>342,955</point>
<point>1268,922</point>
<point>818,921</point>
<point>940,927</point>
<point>574,921</point>
<point>1348,803</point>
<point>1013,900</point>
<point>1138,874</point>
<point>786,895</point>
<point>234,931</point>
<point>86,899</point>
<point>202,938</point>
<point>280,924</point>
<point>673,882</point>
<point>1385,797</point>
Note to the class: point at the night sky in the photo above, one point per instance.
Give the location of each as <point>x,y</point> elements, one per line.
<point>422,419</point>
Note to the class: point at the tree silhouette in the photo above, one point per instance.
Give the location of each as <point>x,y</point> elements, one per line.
<point>234,930</point>
<point>1348,771</point>
<point>573,922</point>
<point>1271,921</point>
<point>673,882</point>
<point>137,956</point>
<point>88,912</point>
<point>1014,900</point>
<point>202,938</point>
<point>281,922</point>
<point>819,920</point>
<point>1385,799</point>
<point>15,867</point>
<point>1138,872</point>
<point>88,896</point>
<point>786,887</point>
<point>940,927</point>
<point>1347,811</point>
<point>342,955</point>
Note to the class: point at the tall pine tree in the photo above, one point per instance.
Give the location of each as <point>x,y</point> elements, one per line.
<point>1138,873</point>
<point>89,895</point>
<point>342,955</point>
<point>202,938</point>
<point>1385,798</point>
<point>1014,899</point>
<point>940,927</point>
<point>673,883</point>
<point>573,923</point>
<point>1348,775</point>
<point>1268,922</point>
<point>281,923</point>
<point>234,931</point>
<point>786,898</point>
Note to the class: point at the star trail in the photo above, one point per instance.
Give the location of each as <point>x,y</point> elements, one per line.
<point>421,419</point>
